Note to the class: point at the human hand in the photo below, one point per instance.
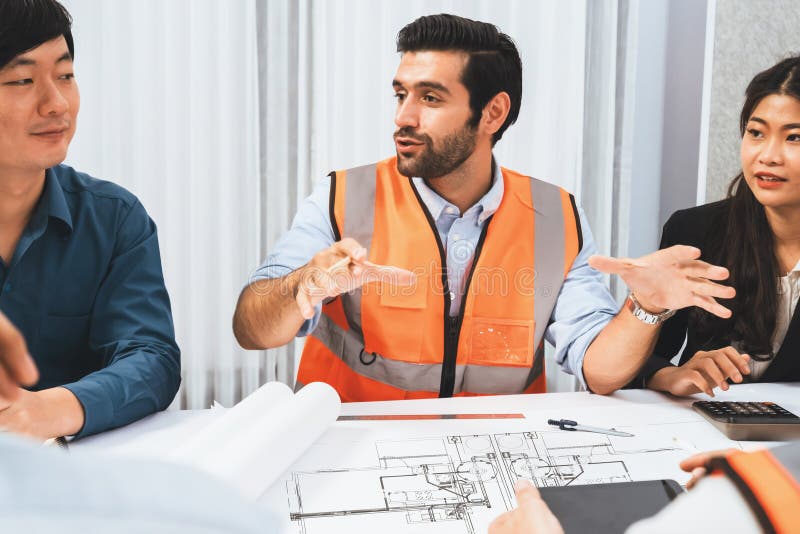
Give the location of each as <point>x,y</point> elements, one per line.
<point>671,278</point>
<point>696,464</point>
<point>45,414</point>
<point>703,372</point>
<point>533,516</point>
<point>341,268</point>
<point>16,365</point>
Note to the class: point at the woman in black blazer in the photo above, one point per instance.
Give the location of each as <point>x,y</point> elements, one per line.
<point>755,233</point>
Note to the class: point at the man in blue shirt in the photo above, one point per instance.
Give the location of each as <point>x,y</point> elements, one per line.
<point>80,269</point>
<point>44,490</point>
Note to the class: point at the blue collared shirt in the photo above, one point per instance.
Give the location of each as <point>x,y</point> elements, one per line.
<point>584,305</point>
<point>86,290</point>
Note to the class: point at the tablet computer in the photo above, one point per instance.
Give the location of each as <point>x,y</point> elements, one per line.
<point>608,508</point>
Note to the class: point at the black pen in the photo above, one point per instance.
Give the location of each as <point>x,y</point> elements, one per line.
<point>566,424</point>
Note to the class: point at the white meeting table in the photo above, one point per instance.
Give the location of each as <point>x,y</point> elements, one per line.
<point>155,436</point>
<point>164,431</point>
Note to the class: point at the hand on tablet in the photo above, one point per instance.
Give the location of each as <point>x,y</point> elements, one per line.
<point>533,516</point>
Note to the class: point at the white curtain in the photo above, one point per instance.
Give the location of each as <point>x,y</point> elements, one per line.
<point>354,60</point>
<point>221,116</point>
<point>170,111</point>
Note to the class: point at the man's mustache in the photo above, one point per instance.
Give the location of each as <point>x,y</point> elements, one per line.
<point>411,134</point>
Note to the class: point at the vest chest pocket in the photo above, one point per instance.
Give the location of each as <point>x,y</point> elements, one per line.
<point>503,342</point>
<point>396,327</point>
<point>413,297</point>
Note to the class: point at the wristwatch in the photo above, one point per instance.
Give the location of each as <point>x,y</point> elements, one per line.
<point>645,316</point>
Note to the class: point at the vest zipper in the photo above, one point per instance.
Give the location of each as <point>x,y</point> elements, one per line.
<point>450,371</point>
<point>453,329</point>
<point>452,325</point>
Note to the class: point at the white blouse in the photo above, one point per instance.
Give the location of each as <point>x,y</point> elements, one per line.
<point>788,294</point>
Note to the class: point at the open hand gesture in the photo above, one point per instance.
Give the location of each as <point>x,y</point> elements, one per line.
<point>671,278</point>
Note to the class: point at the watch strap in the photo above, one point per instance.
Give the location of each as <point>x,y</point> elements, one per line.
<point>645,316</point>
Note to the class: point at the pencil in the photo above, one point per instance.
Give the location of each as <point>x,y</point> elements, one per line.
<point>341,263</point>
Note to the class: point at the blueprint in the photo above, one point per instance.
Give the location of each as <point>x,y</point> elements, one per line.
<point>459,482</point>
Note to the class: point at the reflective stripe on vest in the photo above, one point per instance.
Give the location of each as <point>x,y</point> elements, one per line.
<point>358,225</point>
<point>768,480</point>
<point>384,342</point>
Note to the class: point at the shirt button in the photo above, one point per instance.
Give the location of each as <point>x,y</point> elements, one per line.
<point>452,296</point>
<point>450,210</point>
<point>456,237</point>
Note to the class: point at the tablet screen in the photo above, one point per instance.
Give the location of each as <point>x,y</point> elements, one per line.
<point>608,508</point>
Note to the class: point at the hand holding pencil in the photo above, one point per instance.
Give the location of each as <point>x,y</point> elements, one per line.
<point>341,268</point>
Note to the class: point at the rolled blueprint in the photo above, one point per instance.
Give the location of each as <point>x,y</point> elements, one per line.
<point>259,448</point>
<point>259,404</point>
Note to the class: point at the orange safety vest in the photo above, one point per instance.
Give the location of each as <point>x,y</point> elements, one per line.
<point>384,342</point>
<point>768,481</point>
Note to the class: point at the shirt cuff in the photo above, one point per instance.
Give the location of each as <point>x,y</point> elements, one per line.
<point>98,410</point>
<point>269,272</point>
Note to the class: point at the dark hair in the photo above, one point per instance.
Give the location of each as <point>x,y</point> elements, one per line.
<point>493,65</point>
<point>25,24</point>
<point>749,250</point>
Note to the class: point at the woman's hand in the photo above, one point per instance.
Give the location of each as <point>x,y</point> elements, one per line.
<point>704,372</point>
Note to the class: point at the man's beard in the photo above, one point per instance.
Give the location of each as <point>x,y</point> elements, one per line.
<point>430,163</point>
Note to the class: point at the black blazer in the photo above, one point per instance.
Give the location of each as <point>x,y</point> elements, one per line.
<point>701,227</point>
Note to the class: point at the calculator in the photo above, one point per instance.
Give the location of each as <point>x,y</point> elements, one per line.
<point>751,421</point>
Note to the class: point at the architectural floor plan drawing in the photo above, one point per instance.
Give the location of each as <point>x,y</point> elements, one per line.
<point>454,483</point>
